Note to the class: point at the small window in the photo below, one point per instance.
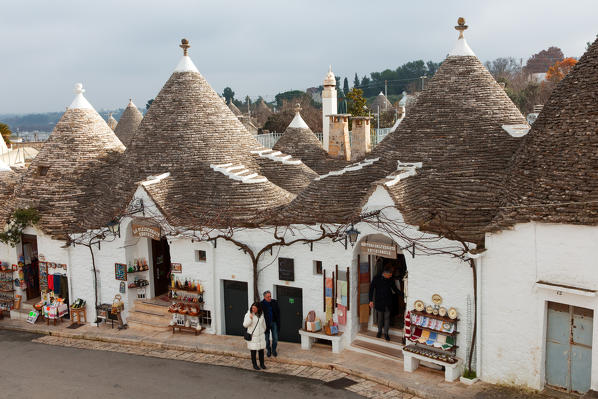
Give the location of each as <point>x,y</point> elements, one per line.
<point>42,170</point>
<point>200,256</point>
<point>317,267</point>
<point>286,269</point>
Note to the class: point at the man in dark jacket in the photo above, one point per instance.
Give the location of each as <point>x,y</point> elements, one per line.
<point>272,317</point>
<point>381,297</point>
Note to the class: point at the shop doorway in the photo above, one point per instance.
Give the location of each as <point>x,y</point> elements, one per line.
<point>235,306</point>
<point>161,258</point>
<point>30,265</point>
<point>399,273</point>
<point>290,300</point>
<point>569,347</point>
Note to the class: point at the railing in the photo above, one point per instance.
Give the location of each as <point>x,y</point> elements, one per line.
<point>269,139</point>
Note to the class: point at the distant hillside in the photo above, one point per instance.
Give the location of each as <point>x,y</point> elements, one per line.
<point>45,122</point>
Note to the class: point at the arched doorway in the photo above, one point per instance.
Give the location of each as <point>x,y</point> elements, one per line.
<point>376,252</point>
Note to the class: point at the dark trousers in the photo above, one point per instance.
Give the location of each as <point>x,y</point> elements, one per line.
<point>274,331</point>
<point>383,320</point>
<point>261,355</point>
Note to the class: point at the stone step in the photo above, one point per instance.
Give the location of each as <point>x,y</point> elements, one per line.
<point>147,327</point>
<point>151,308</point>
<point>149,318</point>
<point>382,350</point>
<point>370,336</point>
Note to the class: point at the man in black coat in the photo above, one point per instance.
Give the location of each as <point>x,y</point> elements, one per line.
<point>381,298</point>
<point>272,317</point>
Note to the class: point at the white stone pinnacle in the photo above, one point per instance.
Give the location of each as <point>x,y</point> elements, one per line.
<point>80,102</point>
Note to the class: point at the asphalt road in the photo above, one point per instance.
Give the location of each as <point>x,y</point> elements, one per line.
<point>33,370</point>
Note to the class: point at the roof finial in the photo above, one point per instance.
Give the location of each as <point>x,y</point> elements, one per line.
<point>185,46</point>
<point>298,108</point>
<point>330,68</point>
<point>79,88</point>
<point>461,27</point>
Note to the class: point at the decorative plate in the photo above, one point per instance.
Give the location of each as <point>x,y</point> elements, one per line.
<point>442,311</point>
<point>429,309</point>
<point>419,305</point>
<point>435,311</point>
<point>436,299</point>
<point>452,313</point>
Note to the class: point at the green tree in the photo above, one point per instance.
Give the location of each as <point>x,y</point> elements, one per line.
<point>287,96</point>
<point>228,94</point>
<point>356,103</point>
<point>149,103</point>
<point>356,80</point>
<point>346,86</point>
<point>5,132</point>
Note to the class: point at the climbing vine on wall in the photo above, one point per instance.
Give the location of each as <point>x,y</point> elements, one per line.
<point>18,221</point>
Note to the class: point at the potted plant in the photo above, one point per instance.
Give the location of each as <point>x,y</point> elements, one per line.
<point>469,377</point>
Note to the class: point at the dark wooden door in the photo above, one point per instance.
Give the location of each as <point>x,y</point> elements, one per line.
<point>31,267</point>
<point>161,257</point>
<point>290,300</point>
<point>235,306</point>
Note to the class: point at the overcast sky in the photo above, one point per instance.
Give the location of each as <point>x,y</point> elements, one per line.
<point>121,49</point>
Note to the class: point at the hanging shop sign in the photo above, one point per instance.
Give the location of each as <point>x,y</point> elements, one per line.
<point>379,249</point>
<point>141,229</point>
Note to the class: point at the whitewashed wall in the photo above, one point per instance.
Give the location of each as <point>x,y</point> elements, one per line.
<point>514,308</point>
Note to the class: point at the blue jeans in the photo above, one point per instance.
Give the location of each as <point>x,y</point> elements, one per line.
<point>274,330</point>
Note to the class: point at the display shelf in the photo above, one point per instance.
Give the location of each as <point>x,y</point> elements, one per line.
<point>138,271</point>
<point>185,290</point>
<point>6,300</point>
<point>454,333</point>
<point>430,354</point>
<point>6,271</point>
<point>451,349</point>
<point>433,316</point>
<point>3,290</point>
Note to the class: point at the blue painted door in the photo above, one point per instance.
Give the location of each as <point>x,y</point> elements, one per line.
<point>569,347</point>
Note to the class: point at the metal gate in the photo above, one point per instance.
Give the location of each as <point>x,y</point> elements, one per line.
<point>569,347</point>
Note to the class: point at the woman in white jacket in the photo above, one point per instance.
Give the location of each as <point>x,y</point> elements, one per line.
<point>256,326</point>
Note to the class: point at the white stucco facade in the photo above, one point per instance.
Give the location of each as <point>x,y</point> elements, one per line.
<point>514,297</point>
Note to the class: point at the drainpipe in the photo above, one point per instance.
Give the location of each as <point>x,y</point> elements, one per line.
<point>477,258</point>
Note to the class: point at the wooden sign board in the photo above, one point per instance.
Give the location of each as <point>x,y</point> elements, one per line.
<point>145,230</point>
<point>379,249</point>
<point>176,268</point>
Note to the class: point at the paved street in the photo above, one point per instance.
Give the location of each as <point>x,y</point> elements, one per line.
<point>33,369</point>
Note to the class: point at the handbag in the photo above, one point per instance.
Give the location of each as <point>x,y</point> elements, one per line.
<point>248,336</point>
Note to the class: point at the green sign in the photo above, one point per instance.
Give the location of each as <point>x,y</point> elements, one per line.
<point>291,300</point>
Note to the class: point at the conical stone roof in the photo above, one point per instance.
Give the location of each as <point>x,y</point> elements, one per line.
<point>261,112</point>
<point>299,141</point>
<point>8,180</point>
<point>455,131</point>
<point>67,179</point>
<point>128,123</point>
<point>190,134</point>
<point>382,102</point>
<point>554,174</point>
<point>235,110</point>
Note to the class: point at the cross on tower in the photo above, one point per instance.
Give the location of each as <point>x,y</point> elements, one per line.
<point>298,108</point>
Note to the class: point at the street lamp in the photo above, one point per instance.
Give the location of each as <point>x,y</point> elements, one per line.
<point>114,227</point>
<point>352,233</point>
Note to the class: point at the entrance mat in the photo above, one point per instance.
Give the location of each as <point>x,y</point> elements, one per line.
<point>73,326</point>
<point>341,383</point>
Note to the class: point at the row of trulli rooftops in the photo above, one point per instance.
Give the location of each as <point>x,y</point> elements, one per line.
<point>446,166</point>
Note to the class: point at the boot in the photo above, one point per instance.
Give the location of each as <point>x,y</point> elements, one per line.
<point>254,360</point>
<point>262,365</point>
<point>268,352</point>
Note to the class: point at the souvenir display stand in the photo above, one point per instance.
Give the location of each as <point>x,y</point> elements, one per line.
<point>78,312</point>
<point>54,309</point>
<point>431,337</point>
<point>7,297</point>
<point>187,306</point>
